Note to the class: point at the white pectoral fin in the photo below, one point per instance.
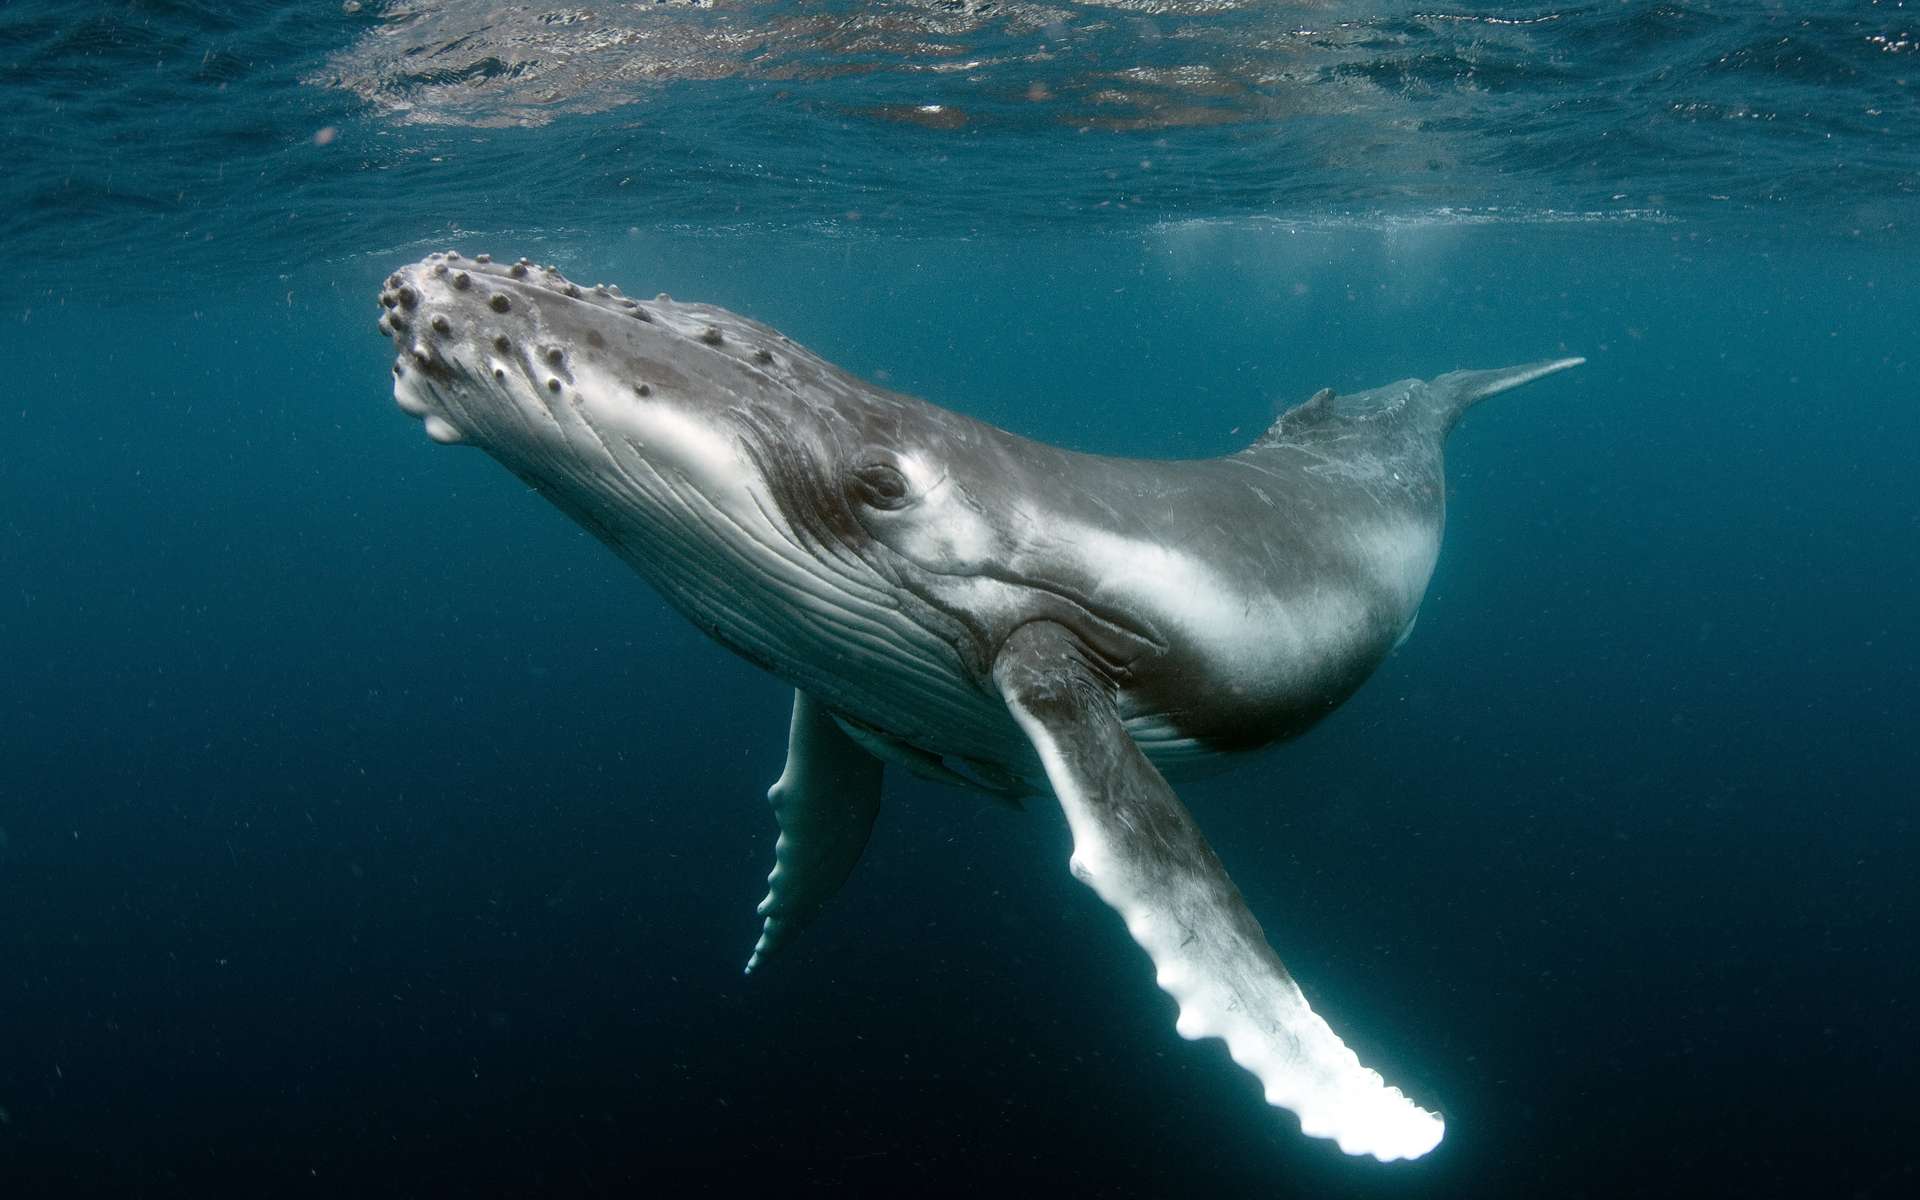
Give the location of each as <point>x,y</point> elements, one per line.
<point>825,801</point>
<point>1139,849</point>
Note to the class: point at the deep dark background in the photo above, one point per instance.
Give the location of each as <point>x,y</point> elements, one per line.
<point>367,829</point>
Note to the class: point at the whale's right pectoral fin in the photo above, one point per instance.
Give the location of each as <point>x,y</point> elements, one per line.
<point>1137,847</point>
<point>825,801</point>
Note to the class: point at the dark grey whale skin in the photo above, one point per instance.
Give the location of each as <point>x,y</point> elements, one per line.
<point>1331,520</point>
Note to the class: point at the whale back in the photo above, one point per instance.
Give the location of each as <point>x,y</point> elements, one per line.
<point>1419,408</point>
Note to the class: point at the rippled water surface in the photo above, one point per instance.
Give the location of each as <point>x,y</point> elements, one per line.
<point>237,134</point>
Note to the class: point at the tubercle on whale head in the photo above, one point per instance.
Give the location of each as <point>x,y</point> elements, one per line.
<point>541,371</point>
<point>534,367</point>
<point>581,390</point>
<point>489,327</point>
<point>707,450</point>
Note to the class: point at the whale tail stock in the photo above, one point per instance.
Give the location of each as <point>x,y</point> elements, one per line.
<point>1442,401</point>
<point>1452,394</point>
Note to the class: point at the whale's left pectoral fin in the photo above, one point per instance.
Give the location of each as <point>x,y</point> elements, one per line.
<point>1137,847</point>
<point>825,801</point>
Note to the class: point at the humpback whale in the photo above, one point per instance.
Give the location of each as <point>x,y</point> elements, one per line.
<point>951,599</point>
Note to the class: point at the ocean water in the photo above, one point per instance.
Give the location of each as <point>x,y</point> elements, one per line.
<point>367,829</point>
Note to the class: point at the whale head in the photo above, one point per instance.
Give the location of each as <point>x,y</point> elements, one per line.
<point>730,466</point>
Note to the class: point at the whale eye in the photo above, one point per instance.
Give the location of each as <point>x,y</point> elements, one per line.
<point>880,485</point>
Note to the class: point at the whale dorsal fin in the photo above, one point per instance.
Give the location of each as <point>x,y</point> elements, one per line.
<point>1315,410</point>
<point>825,801</point>
<point>1315,406</point>
<point>1136,846</point>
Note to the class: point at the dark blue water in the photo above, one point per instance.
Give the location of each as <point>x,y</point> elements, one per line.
<point>367,829</point>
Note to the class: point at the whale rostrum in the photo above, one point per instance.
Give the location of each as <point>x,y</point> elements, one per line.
<point>975,607</point>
